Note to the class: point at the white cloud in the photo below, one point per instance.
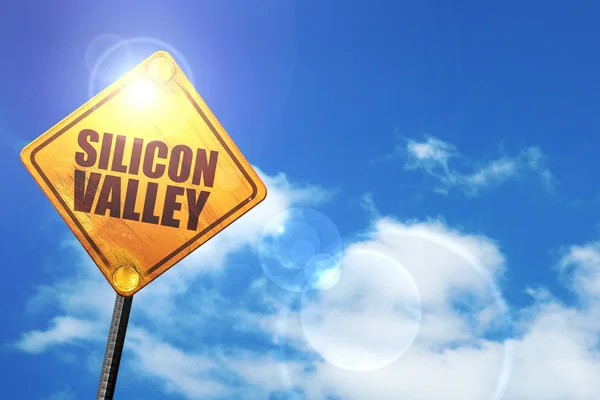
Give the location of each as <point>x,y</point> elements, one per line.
<point>194,375</point>
<point>263,371</point>
<point>63,330</point>
<point>370,318</point>
<point>180,372</point>
<point>554,356</point>
<point>434,156</point>
<point>581,268</point>
<point>433,151</point>
<point>368,204</point>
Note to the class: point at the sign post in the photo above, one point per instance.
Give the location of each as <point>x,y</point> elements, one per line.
<point>114,348</point>
<point>143,174</point>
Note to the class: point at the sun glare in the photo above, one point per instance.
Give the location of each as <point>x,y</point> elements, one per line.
<point>141,93</point>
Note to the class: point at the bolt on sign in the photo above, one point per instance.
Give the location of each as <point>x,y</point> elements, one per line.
<point>143,174</point>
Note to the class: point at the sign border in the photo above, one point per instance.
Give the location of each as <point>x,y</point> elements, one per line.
<point>181,248</point>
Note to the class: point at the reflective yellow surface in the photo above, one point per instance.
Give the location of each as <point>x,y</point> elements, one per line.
<point>126,278</point>
<point>161,68</point>
<point>144,173</point>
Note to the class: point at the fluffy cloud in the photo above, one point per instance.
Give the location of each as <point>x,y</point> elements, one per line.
<point>181,372</point>
<point>473,351</point>
<point>63,330</point>
<point>416,314</point>
<point>393,327</point>
<point>434,156</point>
<point>580,267</point>
<point>557,355</point>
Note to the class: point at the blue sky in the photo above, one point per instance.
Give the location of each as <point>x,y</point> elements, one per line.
<point>452,147</point>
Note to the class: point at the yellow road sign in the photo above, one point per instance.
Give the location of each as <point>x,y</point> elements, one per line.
<point>143,174</point>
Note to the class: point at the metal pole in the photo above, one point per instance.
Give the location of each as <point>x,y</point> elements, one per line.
<point>114,348</point>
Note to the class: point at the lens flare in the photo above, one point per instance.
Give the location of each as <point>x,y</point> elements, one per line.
<point>298,247</point>
<point>343,323</point>
<point>120,56</point>
<point>322,272</point>
<point>400,297</point>
<point>112,66</point>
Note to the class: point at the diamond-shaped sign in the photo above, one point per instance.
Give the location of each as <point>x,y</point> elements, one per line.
<point>143,174</point>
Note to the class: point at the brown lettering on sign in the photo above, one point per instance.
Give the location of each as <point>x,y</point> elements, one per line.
<point>105,151</point>
<point>171,205</point>
<point>136,156</point>
<point>151,152</point>
<point>117,163</point>
<point>180,163</point>
<point>119,193</point>
<point>205,168</point>
<point>150,203</point>
<point>130,197</point>
<point>84,194</point>
<point>110,197</point>
<point>88,158</point>
<point>195,206</point>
